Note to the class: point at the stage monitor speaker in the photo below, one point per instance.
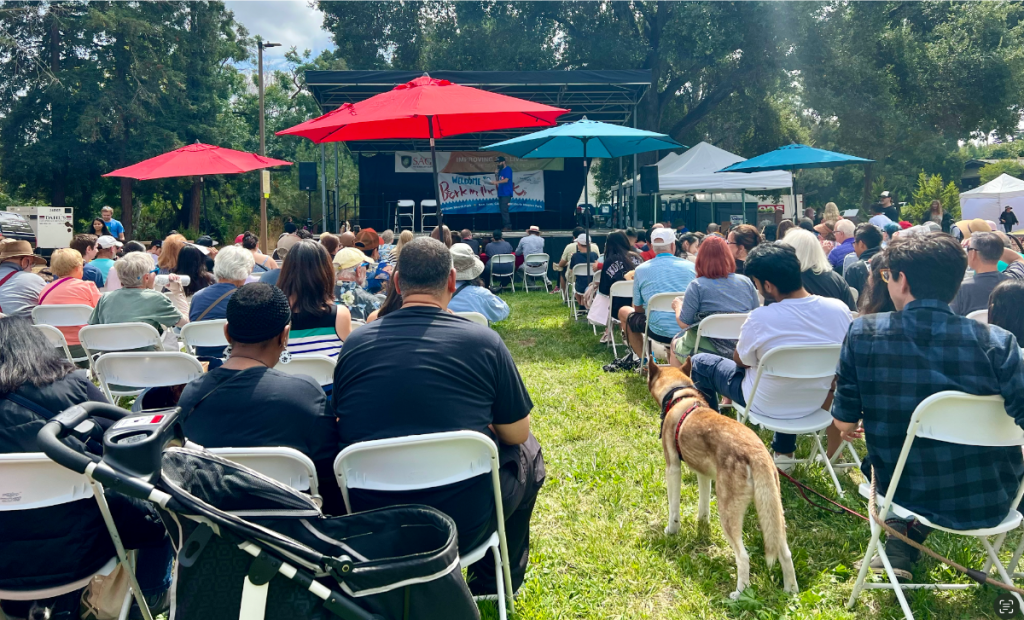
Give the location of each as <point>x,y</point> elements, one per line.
<point>307,176</point>
<point>649,180</point>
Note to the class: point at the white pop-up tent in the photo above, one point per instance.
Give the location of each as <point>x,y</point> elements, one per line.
<point>987,202</point>
<point>695,170</point>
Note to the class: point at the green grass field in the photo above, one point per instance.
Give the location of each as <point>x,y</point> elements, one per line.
<point>598,547</point>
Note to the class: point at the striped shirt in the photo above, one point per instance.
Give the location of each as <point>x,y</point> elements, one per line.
<point>315,333</point>
<point>662,274</point>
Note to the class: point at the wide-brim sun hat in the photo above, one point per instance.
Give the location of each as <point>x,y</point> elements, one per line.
<point>17,248</point>
<point>968,227</point>
<point>467,265</point>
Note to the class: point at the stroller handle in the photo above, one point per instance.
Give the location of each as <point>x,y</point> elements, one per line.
<point>59,427</point>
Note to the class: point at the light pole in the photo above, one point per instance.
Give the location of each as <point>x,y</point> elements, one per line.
<point>263,146</point>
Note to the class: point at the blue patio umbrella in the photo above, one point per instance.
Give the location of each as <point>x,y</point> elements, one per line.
<point>795,157</point>
<point>585,138</point>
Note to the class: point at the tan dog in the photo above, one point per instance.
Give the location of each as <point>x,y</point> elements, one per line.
<point>717,447</point>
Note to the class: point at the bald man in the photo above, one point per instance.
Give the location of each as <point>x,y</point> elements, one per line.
<point>348,239</point>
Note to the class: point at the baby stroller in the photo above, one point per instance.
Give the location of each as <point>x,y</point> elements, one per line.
<point>250,547</point>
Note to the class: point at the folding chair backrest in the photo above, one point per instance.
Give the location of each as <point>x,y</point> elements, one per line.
<point>319,367</point>
<point>119,337</point>
<point>980,316</point>
<point>205,334</point>
<point>622,288</point>
<point>662,302</point>
<point>536,264</point>
<point>428,204</point>
<point>54,335</point>
<point>415,462</point>
<point>801,362</point>
<point>476,317</point>
<point>581,270</point>
<point>144,369</point>
<point>286,465</point>
<point>31,480</point>
<point>725,326</point>
<point>503,258</point>
<point>62,315</point>
<point>406,204</point>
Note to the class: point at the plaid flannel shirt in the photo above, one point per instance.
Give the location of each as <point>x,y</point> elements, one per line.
<point>892,361</point>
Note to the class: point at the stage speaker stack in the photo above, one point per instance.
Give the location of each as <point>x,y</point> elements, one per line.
<point>307,176</point>
<point>649,179</point>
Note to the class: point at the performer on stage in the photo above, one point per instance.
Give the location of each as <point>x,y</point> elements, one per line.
<point>503,179</point>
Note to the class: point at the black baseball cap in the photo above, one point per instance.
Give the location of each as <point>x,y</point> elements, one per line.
<point>499,158</point>
<point>206,241</point>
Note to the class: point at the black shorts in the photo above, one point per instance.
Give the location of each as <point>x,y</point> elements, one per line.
<point>637,323</point>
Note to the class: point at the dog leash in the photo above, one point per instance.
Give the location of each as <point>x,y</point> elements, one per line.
<point>801,488</point>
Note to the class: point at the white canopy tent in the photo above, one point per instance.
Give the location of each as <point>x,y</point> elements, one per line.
<point>695,170</point>
<point>987,202</point>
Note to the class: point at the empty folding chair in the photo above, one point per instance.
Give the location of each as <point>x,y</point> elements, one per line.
<point>427,461</point>
<point>662,302</point>
<point>286,465</point>
<point>476,317</point>
<point>204,334</point>
<point>428,208</point>
<point>319,367</point>
<point>56,340</point>
<point>503,259</point>
<point>980,316</point>
<point>536,266</point>
<point>405,215</point>
<point>810,362</point>
<point>940,417</point>
<point>131,373</point>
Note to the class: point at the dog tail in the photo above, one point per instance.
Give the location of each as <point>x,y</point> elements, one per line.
<point>768,500</point>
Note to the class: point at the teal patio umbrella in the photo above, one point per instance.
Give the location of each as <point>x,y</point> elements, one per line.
<point>585,138</point>
<point>795,157</point>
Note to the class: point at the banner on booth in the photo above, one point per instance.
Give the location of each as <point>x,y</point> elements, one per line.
<point>469,162</point>
<point>470,193</point>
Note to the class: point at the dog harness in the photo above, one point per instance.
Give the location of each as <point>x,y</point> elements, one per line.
<point>670,401</point>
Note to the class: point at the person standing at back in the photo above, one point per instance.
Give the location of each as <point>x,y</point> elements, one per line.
<point>890,210</point>
<point>115,227</point>
<point>983,253</point>
<point>442,373</point>
<point>1008,219</point>
<point>19,287</point>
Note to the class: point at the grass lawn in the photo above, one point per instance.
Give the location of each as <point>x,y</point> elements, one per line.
<point>598,547</point>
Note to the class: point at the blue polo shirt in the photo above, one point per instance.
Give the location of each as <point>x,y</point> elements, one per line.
<point>662,274</point>
<point>505,189</point>
<point>115,228</point>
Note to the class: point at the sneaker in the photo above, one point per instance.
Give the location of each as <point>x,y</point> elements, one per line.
<point>626,362</point>
<point>556,291</point>
<point>784,462</point>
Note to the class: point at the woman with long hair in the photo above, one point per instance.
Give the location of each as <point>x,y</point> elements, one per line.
<point>404,237</point>
<point>620,258</point>
<point>830,215</point>
<point>1004,307</point>
<point>937,214</point>
<point>784,227</point>
<point>717,289</point>
<point>263,262</point>
<point>318,324</point>
<point>875,297</point>
<point>689,243</point>
<point>815,270</point>
<point>192,263</point>
<point>168,260</point>
<point>742,240</point>
<point>99,228</point>
<point>442,234</point>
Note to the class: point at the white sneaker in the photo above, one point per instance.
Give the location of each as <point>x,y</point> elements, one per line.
<point>784,462</point>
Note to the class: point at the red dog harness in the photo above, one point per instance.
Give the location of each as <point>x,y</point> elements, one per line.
<point>670,401</point>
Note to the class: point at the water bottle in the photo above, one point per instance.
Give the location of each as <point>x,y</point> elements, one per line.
<point>163,280</point>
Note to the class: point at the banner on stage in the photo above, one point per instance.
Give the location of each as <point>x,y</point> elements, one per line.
<point>466,193</point>
<point>469,162</point>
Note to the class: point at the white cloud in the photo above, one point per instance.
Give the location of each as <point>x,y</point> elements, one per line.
<point>288,22</point>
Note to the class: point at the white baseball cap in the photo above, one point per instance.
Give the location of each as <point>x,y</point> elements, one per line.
<point>582,239</point>
<point>106,242</point>
<point>663,236</point>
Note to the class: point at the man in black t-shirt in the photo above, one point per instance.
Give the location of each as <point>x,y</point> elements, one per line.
<point>440,372</point>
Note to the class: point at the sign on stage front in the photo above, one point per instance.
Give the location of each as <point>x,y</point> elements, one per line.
<point>470,193</point>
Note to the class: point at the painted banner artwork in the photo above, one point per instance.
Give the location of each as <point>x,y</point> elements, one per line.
<point>470,193</point>
<point>469,162</point>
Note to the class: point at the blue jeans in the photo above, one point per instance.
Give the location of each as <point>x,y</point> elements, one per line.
<point>714,375</point>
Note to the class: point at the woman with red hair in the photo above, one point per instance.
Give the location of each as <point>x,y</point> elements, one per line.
<point>718,289</point>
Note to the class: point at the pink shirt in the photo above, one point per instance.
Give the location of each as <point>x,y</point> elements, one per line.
<point>70,291</point>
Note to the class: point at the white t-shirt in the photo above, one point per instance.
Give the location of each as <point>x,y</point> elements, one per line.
<point>808,321</point>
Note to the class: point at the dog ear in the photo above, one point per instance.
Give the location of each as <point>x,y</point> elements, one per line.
<point>652,368</point>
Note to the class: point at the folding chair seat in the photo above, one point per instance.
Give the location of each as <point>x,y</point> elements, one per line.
<point>503,259</point>
<point>536,266</point>
<point>427,461</point>
<point>940,417</point>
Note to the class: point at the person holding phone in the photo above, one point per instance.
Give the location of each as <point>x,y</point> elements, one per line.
<point>504,183</point>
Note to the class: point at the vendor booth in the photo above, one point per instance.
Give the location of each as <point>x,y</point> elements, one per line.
<point>988,201</point>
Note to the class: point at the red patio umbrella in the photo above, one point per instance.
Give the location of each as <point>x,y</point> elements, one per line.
<point>196,160</point>
<point>425,108</point>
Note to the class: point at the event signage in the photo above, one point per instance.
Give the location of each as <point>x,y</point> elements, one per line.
<point>469,162</point>
<point>471,193</point>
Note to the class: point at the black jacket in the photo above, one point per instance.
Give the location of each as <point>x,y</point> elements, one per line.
<point>828,284</point>
<point>947,220</point>
<point>856,273</point>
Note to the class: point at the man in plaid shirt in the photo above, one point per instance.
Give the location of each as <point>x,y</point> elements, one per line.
<point>892,361</point>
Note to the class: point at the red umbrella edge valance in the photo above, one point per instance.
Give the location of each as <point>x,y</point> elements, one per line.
<point>196,160</point>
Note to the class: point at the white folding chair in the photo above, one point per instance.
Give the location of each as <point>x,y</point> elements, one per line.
<point>536,266</point>
<point>63,315</point>
<point>801,363</point>
<point>577,272</point>
<point>503,259</point>
<point>621,289</point>
<point>286,465</point>
<point>30,481</point>
<point>405,210</point>
<point>980,316</point>
<point>57,340</point>
<point>139,370</point>
<point>425,213</point>
<point>425,462</point>
<point>476,317</point>
<point>941,417</point>
<point>662,302</point>
<point>101,339</point>
<point>319,367</point>
<point>204,334</point>
<point>724,326</point>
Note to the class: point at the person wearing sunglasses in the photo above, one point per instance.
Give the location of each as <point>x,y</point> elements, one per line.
<point>891,361</point>
<point>983,253</point>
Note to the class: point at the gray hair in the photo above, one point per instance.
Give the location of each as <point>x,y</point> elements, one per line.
<point>387,236</point>
<point>660,248</point>
<point>233,263</point>
<point>131,268</point>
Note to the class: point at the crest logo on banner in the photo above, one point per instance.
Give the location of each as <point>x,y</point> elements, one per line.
<point>406,161</point>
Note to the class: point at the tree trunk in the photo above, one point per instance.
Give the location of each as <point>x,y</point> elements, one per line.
<point>126,208</point>
<point>869,180</point>
<point>196,202</point>
<point>60,168</point>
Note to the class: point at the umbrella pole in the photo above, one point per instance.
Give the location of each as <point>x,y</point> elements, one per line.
<point>586,203</point>
<point>792,194</point>
<point>437,188</point>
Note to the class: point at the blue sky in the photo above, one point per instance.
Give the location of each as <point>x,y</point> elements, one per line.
<point>288,22</point>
